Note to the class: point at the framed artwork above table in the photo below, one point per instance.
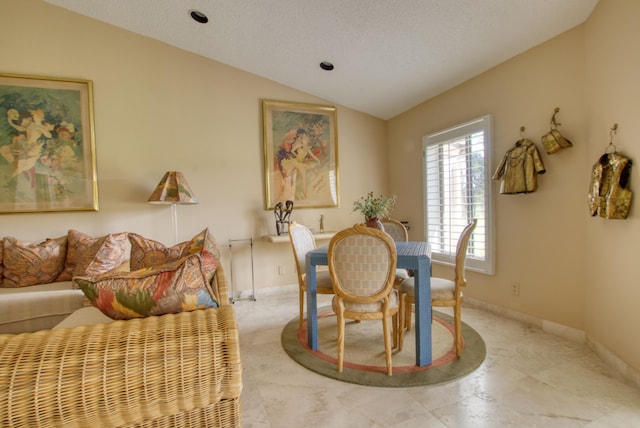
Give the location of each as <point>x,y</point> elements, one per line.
<point>300,154</point>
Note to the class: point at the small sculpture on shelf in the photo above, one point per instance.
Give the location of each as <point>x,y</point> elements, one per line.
<point>283,216</point>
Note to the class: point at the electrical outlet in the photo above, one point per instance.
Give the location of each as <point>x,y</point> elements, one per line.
<point>282,270</point>
<point>515,289</point>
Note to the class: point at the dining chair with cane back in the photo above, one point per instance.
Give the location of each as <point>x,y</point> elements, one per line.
<point>395,228</point>
<point>302,241</point>
<point>444,292</point>
<point>362,265</point>
<point>399,233</point>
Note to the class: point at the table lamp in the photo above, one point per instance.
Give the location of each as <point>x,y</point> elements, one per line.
<point>173,189</point>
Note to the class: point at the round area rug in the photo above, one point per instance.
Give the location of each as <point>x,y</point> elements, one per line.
<point>364,361</point>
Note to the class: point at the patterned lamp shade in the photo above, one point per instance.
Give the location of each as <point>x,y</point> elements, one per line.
<point>173,189</point>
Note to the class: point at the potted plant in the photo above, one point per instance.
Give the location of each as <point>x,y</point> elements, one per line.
<point>373,208</point>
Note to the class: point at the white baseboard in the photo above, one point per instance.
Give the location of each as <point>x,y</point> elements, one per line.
<point>622,370</point>
<point>504,312</point>
<point>570,333</point>
<point>267,291</point>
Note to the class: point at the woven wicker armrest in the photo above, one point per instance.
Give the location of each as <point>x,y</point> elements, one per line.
<point>223,289</point>
<point>171,370</point>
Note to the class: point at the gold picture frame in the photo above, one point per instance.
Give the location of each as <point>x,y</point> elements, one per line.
<point>300,154</point>
<point>47,145</point>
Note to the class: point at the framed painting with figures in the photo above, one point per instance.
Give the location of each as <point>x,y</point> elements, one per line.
<point>301,154</point>
<point>47,147</point>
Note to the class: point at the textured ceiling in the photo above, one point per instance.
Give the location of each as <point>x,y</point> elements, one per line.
<point>389,55</point>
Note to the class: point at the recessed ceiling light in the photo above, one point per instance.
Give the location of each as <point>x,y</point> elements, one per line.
<point>326,65</point>
<point>198,16</point>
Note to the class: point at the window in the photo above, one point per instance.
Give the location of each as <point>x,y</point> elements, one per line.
<point>458,189</point>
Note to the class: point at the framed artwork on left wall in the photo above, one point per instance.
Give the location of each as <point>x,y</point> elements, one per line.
<point>47,145</point>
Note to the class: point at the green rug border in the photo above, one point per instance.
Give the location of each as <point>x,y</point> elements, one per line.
<point>474,353</point>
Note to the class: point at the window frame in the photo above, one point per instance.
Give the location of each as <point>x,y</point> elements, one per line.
<point>448,135</point>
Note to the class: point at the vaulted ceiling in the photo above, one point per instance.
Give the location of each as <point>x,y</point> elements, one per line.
<point>389,55</point>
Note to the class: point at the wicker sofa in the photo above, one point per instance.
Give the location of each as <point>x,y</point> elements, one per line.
<point>173,370</point>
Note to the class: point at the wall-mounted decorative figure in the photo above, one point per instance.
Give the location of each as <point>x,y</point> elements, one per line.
<point>553,141</point>
<point>609,189</point>
<point>519,167</point>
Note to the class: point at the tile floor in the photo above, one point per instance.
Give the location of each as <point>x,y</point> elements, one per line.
<point>528,379</point>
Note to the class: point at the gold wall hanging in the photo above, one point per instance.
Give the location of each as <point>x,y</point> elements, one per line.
<point>609,190</point>
<point>519,167</point>
<point>553,141</point>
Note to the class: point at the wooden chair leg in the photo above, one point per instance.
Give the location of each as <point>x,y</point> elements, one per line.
<point>394,325</point>
<point>458,324</point>
<point>340,316</point>
<point>401,321</point>
<point>407,308</point>
<point>387,344</point>
<point>301,309</point>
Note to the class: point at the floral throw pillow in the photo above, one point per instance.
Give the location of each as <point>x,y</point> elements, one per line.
<point>108,253</point>
<point>204,244</point>
<point>28,264</point>
<point>175,287</point>
<point>77,244</point>
<point>147,253</point>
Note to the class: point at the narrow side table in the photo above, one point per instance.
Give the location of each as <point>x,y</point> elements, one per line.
<point>253,284</point>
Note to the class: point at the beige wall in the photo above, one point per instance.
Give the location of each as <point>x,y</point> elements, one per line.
<point>572,269</point>
<point>158,108</point>
<point>612,64</point>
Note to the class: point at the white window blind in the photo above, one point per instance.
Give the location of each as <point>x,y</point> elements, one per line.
<point>458,190</point>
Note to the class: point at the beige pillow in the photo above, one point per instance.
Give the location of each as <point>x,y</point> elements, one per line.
<point>31,264</point>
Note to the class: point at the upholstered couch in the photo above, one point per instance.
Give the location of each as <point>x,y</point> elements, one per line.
<point>39,307</point>
<point>176,369</point>
<point>36,287</point>
<point>36,290</point>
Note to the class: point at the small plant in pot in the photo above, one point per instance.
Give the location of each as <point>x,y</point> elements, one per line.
<point>374,208</point>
